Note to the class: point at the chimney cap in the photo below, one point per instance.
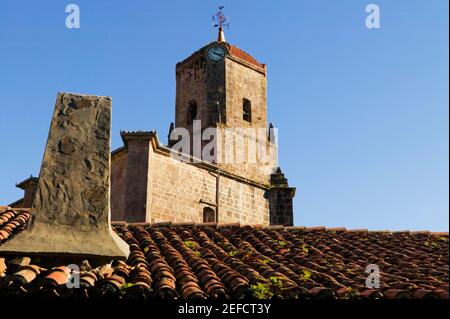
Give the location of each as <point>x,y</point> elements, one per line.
<point>25,183</point>
<point>136,135</point>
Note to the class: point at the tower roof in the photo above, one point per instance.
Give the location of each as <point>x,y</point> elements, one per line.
<point>239,53</point>
<point>234,52</point>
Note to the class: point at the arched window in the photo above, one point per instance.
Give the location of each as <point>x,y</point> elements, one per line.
<point>191,112</point>
<point>209,215</point>
<point>247,110</point>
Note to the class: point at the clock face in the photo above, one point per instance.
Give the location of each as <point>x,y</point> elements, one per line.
<point>216,53</point>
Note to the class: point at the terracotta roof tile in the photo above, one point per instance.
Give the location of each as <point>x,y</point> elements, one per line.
<point>12,221</point>
<point>241,54</point>
<point>233,261</point>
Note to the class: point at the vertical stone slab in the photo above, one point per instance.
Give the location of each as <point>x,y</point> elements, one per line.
<point>71,212</point>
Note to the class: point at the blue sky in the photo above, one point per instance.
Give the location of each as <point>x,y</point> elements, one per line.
<point>362,114</point>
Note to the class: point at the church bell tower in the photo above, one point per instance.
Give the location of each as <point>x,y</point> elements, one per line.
<point>224,87</point>
<point>220,86</point>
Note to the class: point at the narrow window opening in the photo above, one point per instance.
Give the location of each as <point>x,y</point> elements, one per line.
<point>191,112</point>
<point>209,215</point>
<point>247,110</point>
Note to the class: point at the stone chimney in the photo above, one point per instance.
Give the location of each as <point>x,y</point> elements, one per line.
<point>29,187</point>
<point>138,146</point>
<point>71,212</point>
<point>280,200</point>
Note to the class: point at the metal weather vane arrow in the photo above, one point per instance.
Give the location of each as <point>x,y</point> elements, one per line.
<point>220,19</point>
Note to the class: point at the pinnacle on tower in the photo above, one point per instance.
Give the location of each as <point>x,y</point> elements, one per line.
<point>221,36</point>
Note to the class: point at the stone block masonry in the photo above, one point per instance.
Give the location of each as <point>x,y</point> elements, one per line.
<point>180,192</point>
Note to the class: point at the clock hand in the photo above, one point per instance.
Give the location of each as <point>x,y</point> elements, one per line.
<point>218,54</point>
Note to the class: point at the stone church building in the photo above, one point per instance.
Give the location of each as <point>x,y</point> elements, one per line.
<point>221,87</point>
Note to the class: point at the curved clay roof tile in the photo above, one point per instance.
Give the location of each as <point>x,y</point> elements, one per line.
<point>235,51</point>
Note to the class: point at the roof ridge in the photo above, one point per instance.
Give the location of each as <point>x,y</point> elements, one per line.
<point>5,208</point>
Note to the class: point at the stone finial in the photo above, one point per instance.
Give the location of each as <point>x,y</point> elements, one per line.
<point>171,128</point>
<point>281,200</point>
<point>277,179</point>
<point>271,135</point>
<point>71,212</point>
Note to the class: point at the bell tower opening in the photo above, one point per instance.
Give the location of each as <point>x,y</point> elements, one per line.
<point>247,110</point>
<point>192,112</point>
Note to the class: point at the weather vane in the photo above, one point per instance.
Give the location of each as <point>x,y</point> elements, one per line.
<point>220,20</point>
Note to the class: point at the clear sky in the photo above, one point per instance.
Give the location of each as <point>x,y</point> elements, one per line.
<point>362,113</point>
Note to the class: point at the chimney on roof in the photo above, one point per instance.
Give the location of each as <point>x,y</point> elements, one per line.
<point>221,36</point>
<point>71,212</point>
<point>280,200</point>
<point>29,187</point>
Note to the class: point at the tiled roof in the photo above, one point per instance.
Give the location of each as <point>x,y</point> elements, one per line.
<point>12,221</point>
<point>235,51</point>
<point>233,261</point>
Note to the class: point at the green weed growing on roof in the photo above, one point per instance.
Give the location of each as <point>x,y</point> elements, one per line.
<point>261,291</point>
<point>265,261</point>
<point>431,244</point>
<point>232,253</point>
<point>305,275</point>
<point>350,294</point>
<point>280,242</point>
<point>125,287</point>
<point>276,282</point>
<point>304,248</point>
<point>190,244</point>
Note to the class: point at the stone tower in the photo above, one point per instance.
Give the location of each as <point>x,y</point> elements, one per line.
<point>224,87</point>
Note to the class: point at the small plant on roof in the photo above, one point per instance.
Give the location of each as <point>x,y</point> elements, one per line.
<point>353,270</point>
<point>431,244</point>
<point>265,261</point>
<point>304,248</point>
<point>261,291</point>
<point>351,294</point>
<point>305,275</point>
<point>276,282</point>
<point>123,289</point>
<point>232,253</point>
<point>280,242</point>
<point>190,244</point>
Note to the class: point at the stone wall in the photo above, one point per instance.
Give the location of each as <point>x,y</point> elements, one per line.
<point>198,80</point>
<point>255,161</point>
<point>179,192</point>
<point>118,184</point>
<point>243,81</point>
